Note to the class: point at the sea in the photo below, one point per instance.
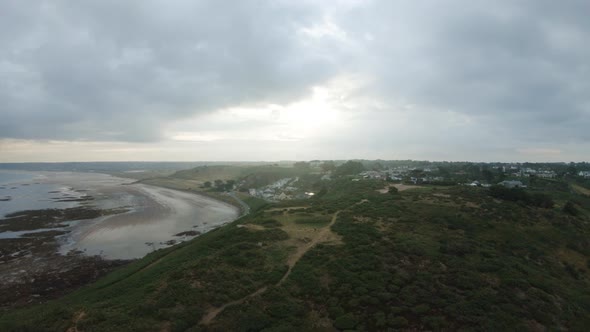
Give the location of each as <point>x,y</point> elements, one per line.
<point>145,214</point>
<point>22,190</point>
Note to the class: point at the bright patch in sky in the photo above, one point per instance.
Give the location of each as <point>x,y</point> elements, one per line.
<point>271,80</point>
<point>323,112</point>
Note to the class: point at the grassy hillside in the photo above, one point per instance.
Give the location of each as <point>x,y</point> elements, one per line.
<point>426,258</point>
<point>252,175</point>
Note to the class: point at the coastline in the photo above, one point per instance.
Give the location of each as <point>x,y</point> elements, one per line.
<point>59,250</point>
<point>162,218</point>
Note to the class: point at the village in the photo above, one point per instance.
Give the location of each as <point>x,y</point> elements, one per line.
<point>514,175</point>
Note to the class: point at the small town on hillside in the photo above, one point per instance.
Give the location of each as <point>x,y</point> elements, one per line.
<point>512,175</point>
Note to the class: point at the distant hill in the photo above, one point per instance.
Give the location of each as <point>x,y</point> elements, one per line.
<point>110,166</point>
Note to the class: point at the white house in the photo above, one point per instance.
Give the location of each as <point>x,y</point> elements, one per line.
<point>512,184</point>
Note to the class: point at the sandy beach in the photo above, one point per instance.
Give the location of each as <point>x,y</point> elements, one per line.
<point>155,218</point>
<point>66,229</point>
<point>131,219</point>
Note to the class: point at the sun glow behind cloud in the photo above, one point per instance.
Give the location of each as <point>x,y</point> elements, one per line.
<point>322,112</point>
<point>305,79</point>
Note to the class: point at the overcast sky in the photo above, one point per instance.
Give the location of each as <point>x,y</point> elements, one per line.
<point>505,80</point>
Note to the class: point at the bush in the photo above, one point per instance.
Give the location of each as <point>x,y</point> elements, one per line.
<point>570,208</point>
<point>519,195</point>
<point>398,321</point>
<point>345,322</point>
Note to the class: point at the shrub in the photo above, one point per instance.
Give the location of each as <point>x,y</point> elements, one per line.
<point>346,322</point>
<point>570,208</point>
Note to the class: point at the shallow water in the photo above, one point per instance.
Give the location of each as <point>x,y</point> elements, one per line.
<point>158,214</point>
<point>21,191</point>
<point>154,215</point>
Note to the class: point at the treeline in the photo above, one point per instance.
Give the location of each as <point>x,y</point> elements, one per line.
<point>521,196</point>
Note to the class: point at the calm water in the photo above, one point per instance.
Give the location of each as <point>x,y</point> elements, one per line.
<point>21,191</point>
<point>154,215</point>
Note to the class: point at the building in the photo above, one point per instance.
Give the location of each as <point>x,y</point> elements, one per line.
<point>547,174</point>
<point>585,174</point>
<point>512,184</point>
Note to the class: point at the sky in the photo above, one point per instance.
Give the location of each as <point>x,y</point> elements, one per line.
<point>106,80</point>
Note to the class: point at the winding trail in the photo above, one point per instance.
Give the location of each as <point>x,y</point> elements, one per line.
<point>322,235</point>
<point>291,262</point>
<point>211,314</point>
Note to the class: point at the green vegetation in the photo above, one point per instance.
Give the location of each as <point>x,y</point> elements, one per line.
<point>349,168</point>
<point>427,258</point>
<point>520,195</point>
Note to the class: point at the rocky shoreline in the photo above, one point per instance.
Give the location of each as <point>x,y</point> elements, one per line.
<point>75,236</point>
<point>31,269</point>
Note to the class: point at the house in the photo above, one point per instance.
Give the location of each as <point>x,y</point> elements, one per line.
<point>547,174</point>
<point>512,184</point>
<point>585,174</point>
<point>283,196</point>
<point>372,175</point>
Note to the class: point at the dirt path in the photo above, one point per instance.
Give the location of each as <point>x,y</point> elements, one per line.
<point>291,262</point>
<point>77,318</point>
<point>581,190</point>
<point>209,316</point>
<point>322,235</point>
<point>403,187</point>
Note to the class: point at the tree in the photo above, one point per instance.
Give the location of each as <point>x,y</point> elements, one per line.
<point>572,169</point>
<point>229,184</point>
<point>346,322</point>
<point>328,166</point>
<point>350,168</point>
<point>321,193</point>
<point>501,175</point>
<point>570,208</point>
<point>532,180</point>
<point>378,166</point>
<point>207,184</point>
<point>301,165</point>
<point>219,184</point>
<point>488,175</point>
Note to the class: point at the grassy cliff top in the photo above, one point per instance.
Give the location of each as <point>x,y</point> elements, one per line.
<point>357,258</point>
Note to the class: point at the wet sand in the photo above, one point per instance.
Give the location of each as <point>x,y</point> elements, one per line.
<point>54,248</point>
<point>157,215</point>
<point>153,215</point>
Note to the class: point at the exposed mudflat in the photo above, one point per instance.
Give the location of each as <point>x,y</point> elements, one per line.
<point>158,218</point>
<point>89,225</point>
<point>32,270</point>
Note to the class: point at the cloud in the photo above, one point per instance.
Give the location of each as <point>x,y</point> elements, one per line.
<point>519,65</point>
<point>455,79</point>
<point>112,70</point>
